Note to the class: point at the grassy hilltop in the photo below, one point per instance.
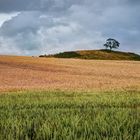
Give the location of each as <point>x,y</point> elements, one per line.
<point>97,54</point>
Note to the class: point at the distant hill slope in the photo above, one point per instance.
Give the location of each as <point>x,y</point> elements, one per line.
<point>97,54</point>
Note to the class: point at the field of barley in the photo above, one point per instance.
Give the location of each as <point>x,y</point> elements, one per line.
<point>69,99</point>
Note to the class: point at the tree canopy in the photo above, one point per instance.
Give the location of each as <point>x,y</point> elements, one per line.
<point>112,44</point>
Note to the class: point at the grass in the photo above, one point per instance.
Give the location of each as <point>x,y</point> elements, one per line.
<point>60,115</point>
<point>97,55</point>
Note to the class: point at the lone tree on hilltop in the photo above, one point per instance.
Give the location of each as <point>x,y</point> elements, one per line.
<point>112,44</point>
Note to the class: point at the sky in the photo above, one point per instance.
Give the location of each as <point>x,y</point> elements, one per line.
<point>34,27</point>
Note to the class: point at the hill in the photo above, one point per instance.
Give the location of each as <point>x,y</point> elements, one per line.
<point>97,54</point>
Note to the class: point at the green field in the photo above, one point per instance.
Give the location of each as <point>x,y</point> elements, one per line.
<point>60,115</point>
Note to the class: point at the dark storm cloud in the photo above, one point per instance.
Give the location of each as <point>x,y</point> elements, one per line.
<point>14,5</point>
<point>32,5</point>
<point>50,26</point>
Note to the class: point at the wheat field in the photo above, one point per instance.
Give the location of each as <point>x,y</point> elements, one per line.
<point>45,115</point>
<point>70,99</point>
<point>18,72</point>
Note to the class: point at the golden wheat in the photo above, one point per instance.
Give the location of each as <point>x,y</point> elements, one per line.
<point>51,73</point>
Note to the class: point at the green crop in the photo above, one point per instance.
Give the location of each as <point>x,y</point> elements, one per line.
<point>61,115</point>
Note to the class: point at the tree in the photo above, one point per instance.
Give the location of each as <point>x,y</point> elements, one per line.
<point>112,44</point>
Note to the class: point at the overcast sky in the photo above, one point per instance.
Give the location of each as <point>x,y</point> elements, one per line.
<point>33,27</point>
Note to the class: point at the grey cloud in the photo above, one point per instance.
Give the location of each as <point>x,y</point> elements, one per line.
<point>50,26</point>
<point>39,5</point>
<point>14,5</point>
